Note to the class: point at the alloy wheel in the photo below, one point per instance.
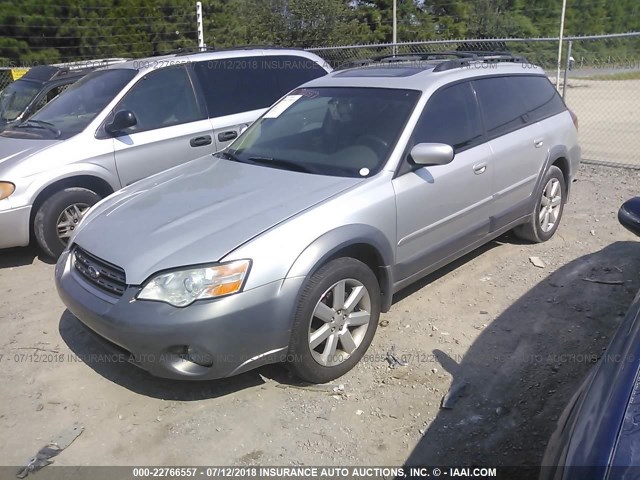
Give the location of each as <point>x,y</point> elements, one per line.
<point>550,205</point>
<point>339,322</point>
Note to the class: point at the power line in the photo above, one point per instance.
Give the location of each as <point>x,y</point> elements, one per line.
<point>165,17</point>
<point>83,27</point>
<point>103,45</point>
<point>28,37</point>
<point>111,7</point>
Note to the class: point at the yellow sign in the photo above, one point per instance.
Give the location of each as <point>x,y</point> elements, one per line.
<point>16,73</point>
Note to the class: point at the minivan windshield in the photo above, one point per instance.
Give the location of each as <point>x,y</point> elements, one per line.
<point>15,98</point>
<point>342,131</point>
<point>76,107</point>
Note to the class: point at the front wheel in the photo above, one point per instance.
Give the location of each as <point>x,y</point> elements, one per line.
<point>335,321</point>
<point>57,218</point>
<point>548,211</point>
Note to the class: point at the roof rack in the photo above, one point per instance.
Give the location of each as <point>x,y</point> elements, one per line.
<point>196,50</point>
<point>399,58</point>
<point>482,57</point>
<point>403,57</point>
<point>460,59</point>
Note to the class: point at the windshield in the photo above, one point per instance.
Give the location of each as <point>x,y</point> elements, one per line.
<point>71,112</point>
<point>15,98</point>
<point>343,131</point>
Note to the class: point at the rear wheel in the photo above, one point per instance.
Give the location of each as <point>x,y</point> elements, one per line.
<point>548,211</point>
<point>335,321</point>
<point>59,215</point>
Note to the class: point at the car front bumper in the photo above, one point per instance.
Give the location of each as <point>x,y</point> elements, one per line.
<point>14,227</point>
<point>239,332</point>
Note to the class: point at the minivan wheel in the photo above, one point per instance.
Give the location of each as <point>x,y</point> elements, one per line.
<point>57,218</point>
<point>546,216</point>
<point>335,321</point>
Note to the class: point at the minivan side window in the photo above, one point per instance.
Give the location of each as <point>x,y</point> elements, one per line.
<point>162,98</point>
<point>540,97</point>
<point>452,117</point>
<point>244,84</point>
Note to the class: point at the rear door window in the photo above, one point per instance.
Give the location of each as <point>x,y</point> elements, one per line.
<point>244,84</point>
<point>451,116</point>
<point>502,105</point>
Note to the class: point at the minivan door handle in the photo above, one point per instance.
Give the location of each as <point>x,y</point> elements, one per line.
<point>538,142</point>
<point>480,168</point>
<point>226,136</point>
<point>201,141</point>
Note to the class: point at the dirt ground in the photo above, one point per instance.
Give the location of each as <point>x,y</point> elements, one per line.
<point>520,337</point>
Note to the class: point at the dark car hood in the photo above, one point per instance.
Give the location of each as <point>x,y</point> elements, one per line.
<point>197,213</point>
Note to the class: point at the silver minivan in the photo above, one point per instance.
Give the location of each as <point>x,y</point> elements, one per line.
<point>128,121</point>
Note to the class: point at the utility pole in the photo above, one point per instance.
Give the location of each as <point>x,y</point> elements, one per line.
<point>395,27</point>
<point>201,45</point>
<point>564,9</point>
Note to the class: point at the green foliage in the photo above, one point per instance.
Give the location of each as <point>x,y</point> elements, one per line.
<point>38,31</point>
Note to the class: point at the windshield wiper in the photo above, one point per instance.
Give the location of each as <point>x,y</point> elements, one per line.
<point>41,124</point>
<point>286,164</point>
<point>229,155</point>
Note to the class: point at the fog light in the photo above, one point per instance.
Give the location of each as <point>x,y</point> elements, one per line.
<point>199,356</point>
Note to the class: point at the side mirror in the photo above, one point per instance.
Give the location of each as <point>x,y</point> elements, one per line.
<point>629,215</point>
<point>431,154</point>
<point>122,120</point>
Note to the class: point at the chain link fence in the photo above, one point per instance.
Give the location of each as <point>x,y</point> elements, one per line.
<point>602,75</point>
<point>7,75</point>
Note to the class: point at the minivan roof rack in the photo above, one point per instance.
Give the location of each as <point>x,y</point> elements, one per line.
<point>196,50</point>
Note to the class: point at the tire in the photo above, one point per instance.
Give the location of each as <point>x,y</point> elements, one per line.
<point>554,190</point>
<point>50,214</point>
<point>307,362</point>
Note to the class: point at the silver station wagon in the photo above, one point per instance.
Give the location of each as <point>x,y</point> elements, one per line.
<point>288,245</point>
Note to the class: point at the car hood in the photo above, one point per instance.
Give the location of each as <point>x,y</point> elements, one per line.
<point>197,213</point>
<point>15,150</point>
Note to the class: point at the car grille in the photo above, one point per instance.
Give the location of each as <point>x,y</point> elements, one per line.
<point>99,273</point>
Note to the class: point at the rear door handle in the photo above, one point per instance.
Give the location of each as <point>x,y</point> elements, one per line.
<point>226,136</point>
<point>480,168</point>
<point>539,142</point>
<point>200,141</point>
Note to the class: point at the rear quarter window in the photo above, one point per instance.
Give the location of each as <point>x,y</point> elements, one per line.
<point>244,84</point>
<point>540,97</point>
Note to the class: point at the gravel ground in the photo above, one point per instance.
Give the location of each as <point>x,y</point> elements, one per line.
<point>520,337</point>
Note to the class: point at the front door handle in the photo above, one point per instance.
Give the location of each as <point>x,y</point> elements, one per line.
<point>226,136</point>
<point>480,168</point>
<point>200,141</point>
<point>538,142</point>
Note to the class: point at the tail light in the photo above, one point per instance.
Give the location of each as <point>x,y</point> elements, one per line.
<point>574,117</point>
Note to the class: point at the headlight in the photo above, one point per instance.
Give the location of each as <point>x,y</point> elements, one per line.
<point>183,287</point>
<point>6,189</point>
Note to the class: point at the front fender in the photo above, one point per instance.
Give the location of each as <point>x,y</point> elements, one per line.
<point>329,244</point>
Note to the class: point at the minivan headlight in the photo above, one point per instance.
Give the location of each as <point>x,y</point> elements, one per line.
<point>183,287</point>
<point>6,189</point>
